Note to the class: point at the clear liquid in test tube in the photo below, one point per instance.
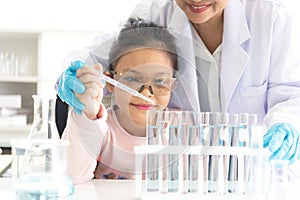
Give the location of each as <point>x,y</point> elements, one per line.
<point>154,136</point>
<point>231,167</point>
<point>217,122</point>
<point>191,122</point>
<point>173,131</point>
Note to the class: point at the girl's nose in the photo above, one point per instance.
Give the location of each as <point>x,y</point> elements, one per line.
<point>142,88</point>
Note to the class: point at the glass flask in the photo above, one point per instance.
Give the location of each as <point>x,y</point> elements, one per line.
<point>279,179</point>
<point>43,126</point>
<point>40,169</point>
<point>40,162</point>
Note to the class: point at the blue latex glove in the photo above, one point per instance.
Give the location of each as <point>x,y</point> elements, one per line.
<point>283,142</point>
<point>68,84</point>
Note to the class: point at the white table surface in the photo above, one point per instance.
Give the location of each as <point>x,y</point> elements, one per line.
<point>92,190</point>
<point>125,190</point>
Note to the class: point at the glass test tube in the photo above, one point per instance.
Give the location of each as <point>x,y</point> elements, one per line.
<point>174,126</point>
<point>217,123</point>
<point>153,133</point>
<point>191,122</point>
<point>253,144</point>
<point>232,176</point>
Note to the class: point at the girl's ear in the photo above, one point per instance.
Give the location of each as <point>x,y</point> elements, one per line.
<point>109,86</point>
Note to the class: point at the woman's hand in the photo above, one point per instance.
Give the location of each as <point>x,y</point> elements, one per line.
<point>283,142</point>
<point>92,97</point>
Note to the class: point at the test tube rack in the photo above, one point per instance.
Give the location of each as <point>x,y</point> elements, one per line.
<point>245,189</point>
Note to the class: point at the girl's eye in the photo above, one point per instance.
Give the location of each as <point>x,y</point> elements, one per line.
<point>160,81</point>
<point>131,79</point>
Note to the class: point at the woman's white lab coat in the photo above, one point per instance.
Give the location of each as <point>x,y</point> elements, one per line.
<point>260,67</point>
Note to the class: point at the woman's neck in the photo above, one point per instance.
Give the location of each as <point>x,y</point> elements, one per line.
<point>211,32</point>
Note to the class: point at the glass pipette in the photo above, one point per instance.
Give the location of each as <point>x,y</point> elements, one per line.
<point>126,88</point>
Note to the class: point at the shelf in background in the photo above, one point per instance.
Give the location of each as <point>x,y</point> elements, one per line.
<point>19,79</point>
<point>15,128</point>
<point>7,133</point>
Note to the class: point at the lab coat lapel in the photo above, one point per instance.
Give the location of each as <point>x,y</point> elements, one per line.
<point>234,57</point>
<point>187,69</point>
<point>178,20</point>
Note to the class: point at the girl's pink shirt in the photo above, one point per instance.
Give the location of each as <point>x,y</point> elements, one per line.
<point>102,140</point>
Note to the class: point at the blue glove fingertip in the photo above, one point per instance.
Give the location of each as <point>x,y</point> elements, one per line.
<point>77,64</point>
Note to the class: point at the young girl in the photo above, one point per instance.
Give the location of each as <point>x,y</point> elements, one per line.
<point>102,141</point>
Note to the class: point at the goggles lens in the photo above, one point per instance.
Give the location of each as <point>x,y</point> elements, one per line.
<point>160,85</point>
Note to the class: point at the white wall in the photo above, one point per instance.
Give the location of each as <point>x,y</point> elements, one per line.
<point>64,14</point>
<point>93,15</point>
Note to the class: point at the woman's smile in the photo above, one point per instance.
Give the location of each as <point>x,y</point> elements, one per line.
<point>198,8</point>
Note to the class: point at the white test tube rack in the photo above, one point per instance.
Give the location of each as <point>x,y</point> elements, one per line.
<point>142,151</point>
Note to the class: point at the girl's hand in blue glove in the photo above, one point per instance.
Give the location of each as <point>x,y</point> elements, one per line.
<point>283,142</point>
<point>69,84</point>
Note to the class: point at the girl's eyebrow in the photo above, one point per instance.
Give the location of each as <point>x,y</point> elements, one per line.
<point>134,71</point>
<point>131,71</point>
<point>126,70</point>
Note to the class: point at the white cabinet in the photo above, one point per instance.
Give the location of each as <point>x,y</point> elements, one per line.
<point>38,61</point>
<point>18,75</point>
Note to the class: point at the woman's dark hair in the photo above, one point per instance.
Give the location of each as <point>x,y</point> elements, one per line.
<point>138,34</point>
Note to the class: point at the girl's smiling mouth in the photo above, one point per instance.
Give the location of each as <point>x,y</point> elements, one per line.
<point>143,106</point>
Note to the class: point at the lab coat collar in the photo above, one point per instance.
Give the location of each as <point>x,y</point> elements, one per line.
<point>235,22</point>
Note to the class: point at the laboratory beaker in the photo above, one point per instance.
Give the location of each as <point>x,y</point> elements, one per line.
<point>43,125</point>
<point>40,169</point>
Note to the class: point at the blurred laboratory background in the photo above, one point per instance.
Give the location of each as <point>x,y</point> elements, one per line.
<point>35,38</point>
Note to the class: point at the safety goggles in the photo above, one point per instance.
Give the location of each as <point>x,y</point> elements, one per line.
<point>160,85</point>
